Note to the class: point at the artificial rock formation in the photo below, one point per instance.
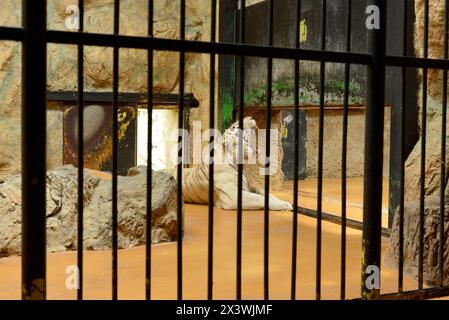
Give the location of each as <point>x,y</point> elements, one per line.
<point>435,40</point>
<point>62,210</point>
<point>98,62</point>
<point>432,165</point>
<point>434,103</point>
<point>411,240</point>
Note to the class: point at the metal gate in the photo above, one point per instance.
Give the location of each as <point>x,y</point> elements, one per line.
<point>35,37</point>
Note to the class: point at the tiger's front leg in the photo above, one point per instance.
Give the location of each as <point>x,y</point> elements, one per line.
<point>275,203</point>
<point>250,201</point>
<point>227,199</point>
<point>225,187</point>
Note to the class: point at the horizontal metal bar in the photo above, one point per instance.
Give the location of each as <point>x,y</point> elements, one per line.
<point>329,217</point>
<point>398,61</point>
<point>64,37</point>
<point>424,294</point>
<point>13,34</point>
<point>134,42</point>
<point>124,97</point>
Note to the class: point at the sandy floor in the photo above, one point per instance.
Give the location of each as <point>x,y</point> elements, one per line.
<point>131,261</point>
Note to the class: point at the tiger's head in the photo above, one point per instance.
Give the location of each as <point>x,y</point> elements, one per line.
<point>230,140</point>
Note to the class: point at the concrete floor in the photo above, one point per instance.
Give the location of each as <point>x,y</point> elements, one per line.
<point>131,261</point>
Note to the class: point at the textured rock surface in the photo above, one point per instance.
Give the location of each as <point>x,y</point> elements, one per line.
<point>411,240</point>
<point>436,43</point>
<point>433,163</point>
<point>62,211</point>
<point>432,166</point>
<point>62,63</point>
<point>434,103</point>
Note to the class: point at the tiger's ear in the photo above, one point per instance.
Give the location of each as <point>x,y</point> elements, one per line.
<point>251,123</point>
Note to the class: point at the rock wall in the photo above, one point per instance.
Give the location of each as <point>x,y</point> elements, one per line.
<point>431,274</point>
<point>62,210</point>
<point>62,63</point>
<point>434,104</point>
<point>432,166</point>
<point>436,45</point>
<point>10,93</point>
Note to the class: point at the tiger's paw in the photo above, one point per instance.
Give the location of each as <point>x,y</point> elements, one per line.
<point>282,206</point>
<point>288,206</point>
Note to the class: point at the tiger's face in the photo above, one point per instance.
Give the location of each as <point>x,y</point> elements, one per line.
<point>231,140</point>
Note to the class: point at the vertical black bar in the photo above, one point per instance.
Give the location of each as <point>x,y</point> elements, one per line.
<point>149,155</point>
<point>210,260</point>
<point>237,62</point>
<point>115,86</point>
<point>180,144</point>
<point>423,149</point>
<point>80,153</point>
<point>240,154</point>
<point>374,128</point>
<point>320,153</point>
<point>34,58</point>
<point>402,155</point>
<point>399,32</point>
<point>344,153</point>
<point>267,154</point>
<point>296,158</point>
<point>443,149</point>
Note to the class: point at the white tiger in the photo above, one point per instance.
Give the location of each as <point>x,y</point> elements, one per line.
<point>195,182</point>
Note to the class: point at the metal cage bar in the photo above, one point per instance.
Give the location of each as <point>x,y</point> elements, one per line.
<point>321,154</point>
<point>296,159</point>
<point>266,223</point>
<point>402,155</point>
<point>441,267</point>
<point>181,145</point>
<point>345,155</point>
<point>241,96</point>
<point>34,78</point>
<point>423,149</point>
<point>210,254</point>
<point>374,129</point>
<point>115,90</point>
<point>149,220</point>
<point>192,46</point>
<point>80,256</point>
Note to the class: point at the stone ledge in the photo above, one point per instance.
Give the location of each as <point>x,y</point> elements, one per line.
<point>411,240</point>
<point>62,204</point>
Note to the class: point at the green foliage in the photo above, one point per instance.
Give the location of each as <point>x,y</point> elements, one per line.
<point>227,110</point>
<point>283,92</point>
